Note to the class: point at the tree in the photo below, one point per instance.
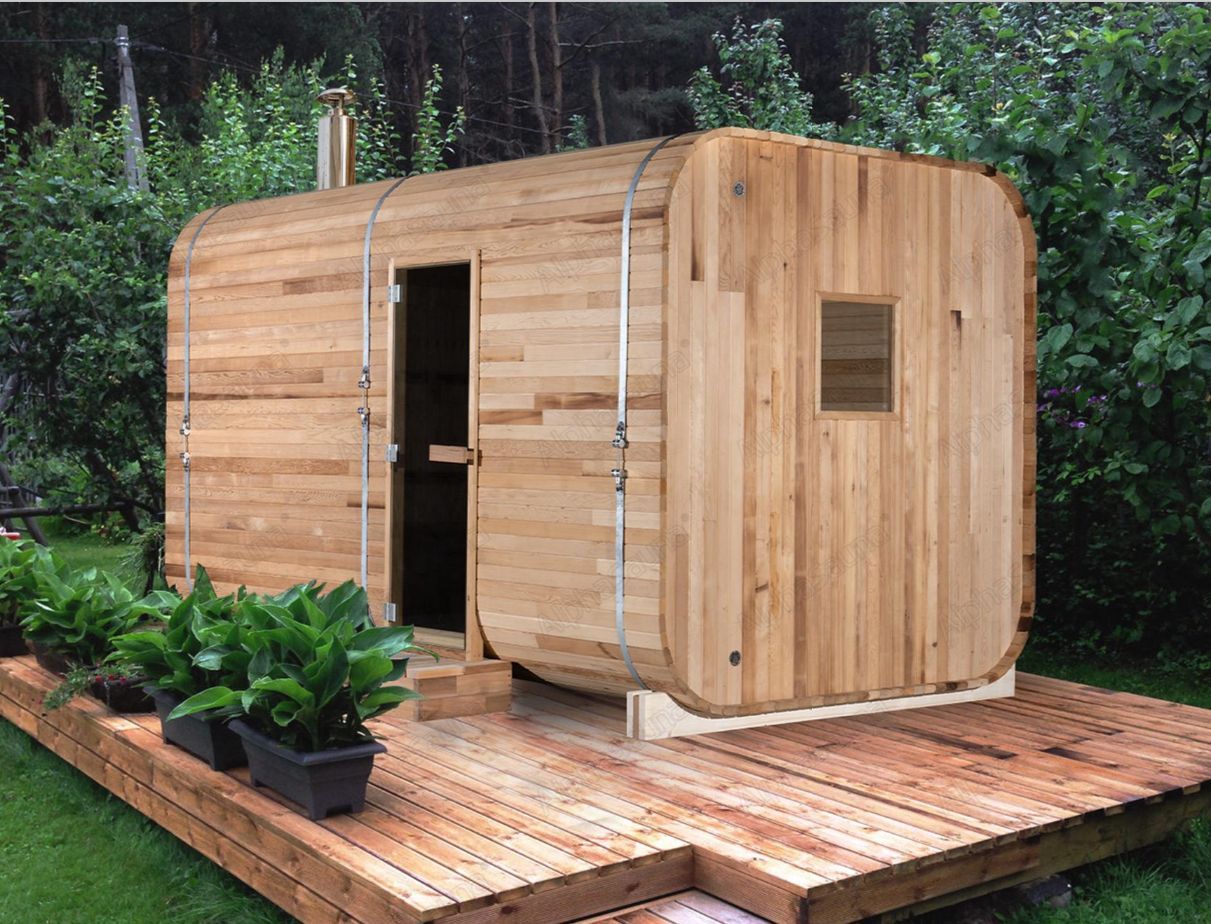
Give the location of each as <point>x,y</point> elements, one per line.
<point>756,87</point>
<point>84,272</point>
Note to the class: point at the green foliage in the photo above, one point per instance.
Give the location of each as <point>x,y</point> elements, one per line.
<point>144,556</point>
<point>199,647</point>
<point>79,679</point>
<point>83,278</point>
<point>431,141</point>
<point>1100,116</point>
<point>756,87</point>
<point>111,864</point>
<point>79,614</point>
<point>578,134</point>
<point>21,564</point>
<point>81,309</point>
<point>314,668</point>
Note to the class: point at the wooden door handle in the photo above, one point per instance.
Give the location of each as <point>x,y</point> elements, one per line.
<point>459,455</point>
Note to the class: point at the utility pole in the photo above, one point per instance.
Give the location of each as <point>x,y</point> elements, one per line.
<point>135,178</point>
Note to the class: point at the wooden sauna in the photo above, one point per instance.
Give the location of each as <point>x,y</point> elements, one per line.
<point>826,474</point>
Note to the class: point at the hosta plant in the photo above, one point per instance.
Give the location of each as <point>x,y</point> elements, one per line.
<point>79,614</point>
<point>317,671</point>
<point>199,646</point>
<point>21,563</point>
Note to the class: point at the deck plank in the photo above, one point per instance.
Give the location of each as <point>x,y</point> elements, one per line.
<point>549,813</point>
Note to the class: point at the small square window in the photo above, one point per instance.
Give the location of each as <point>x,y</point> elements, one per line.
<point>856,350</point>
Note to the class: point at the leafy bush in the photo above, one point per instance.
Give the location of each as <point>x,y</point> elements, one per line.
<point>85,330</point>
<point>756,87</point>
<point>79,614</point>
<point>21,564</point>
<point>316,669</point>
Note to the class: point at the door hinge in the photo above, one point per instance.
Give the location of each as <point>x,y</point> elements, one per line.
<point>389,612</point>
<point>392,453</point>
<point>395,293</point>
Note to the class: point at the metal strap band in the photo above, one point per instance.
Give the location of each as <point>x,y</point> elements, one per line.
<point>185,422</point>
<point>364,382</point>
<point>620,432</point>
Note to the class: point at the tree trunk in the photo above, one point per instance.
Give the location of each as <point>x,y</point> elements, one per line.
<point>418,59</point>
<point>598,108</point>
<point>464,78</point>
<point>536,75</point>
<point>556,77</point>
<point>506,53</point>
<point>199,39</point>
<point>40,111</point>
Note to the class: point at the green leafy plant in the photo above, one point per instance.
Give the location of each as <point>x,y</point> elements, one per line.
<point>578,134</point>
<point>21,563</point>
<point>316,669</point>
<point>756,87</point>
<point>81,679</point>
<point>199,647</point>
<point>432,140</point>
<point>145,556</point>
<point>79,614</point>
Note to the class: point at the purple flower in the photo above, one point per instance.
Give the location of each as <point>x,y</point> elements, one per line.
<point>1078,425</point>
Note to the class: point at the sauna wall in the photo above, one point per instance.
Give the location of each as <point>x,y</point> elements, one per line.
<point>276,292</point>
<point>819,556</point>
<point>776,557</point>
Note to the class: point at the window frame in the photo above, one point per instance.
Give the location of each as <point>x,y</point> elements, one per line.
<point>893,304</point>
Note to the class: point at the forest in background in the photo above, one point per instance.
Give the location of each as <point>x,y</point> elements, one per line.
<point>1101,115</point>
<point>520,71</point>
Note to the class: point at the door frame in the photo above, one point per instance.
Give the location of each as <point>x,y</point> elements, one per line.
<point>471,646</point>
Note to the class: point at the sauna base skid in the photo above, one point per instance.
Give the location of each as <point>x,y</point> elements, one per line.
<point>651,716</point>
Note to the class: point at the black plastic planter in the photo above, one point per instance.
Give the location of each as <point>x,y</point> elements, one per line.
<point>213,742</point>
<point>51,660</point>
<point>124,697</point>
<point>12,644</point>
<point>323,782</point>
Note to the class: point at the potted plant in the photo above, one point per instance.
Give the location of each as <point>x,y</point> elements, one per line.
<point>117,687</point>
<point>78,615</point>
<point>317,673</point>
<point>20,564</point>
<point>199,647</point>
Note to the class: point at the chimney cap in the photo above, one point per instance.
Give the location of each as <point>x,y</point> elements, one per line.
<point>337,97</point>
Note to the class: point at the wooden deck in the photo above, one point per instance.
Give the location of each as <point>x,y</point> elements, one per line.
<point>547,813</point>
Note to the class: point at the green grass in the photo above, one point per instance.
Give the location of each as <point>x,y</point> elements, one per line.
<point>71,852</point>
<point>84,550</point>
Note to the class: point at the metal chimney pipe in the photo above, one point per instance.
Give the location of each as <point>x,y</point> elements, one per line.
<point>335,158</point>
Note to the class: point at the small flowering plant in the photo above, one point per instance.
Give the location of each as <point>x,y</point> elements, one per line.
<point>115,685</point>
<point>1071,406</point>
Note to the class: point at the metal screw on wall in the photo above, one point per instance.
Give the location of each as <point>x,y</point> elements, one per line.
<point>738,189</point>
<point>734,658</point>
